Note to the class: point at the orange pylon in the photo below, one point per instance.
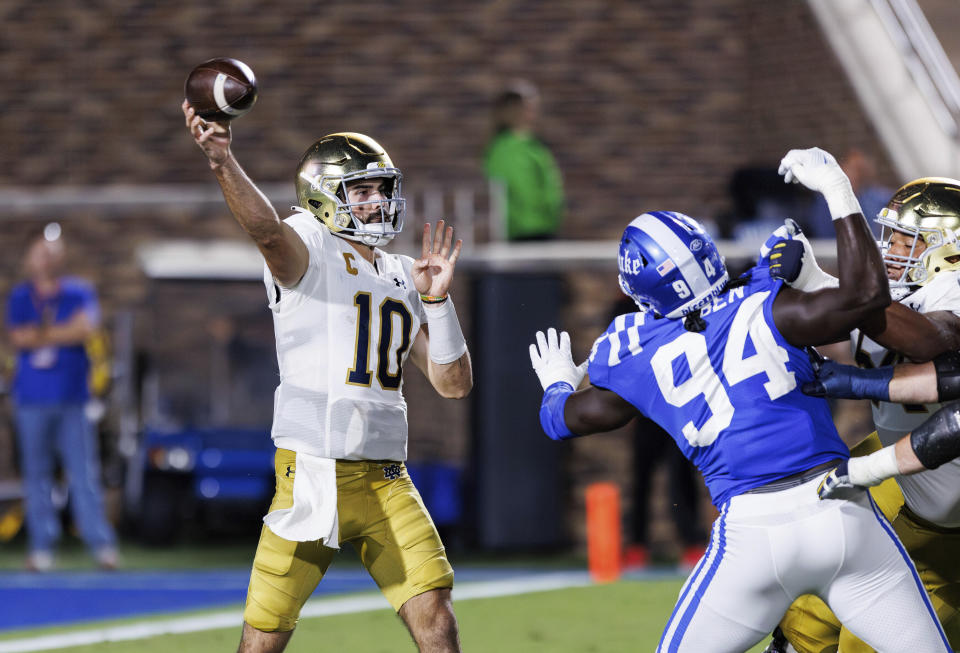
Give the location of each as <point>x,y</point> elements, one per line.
<point>603,532</point>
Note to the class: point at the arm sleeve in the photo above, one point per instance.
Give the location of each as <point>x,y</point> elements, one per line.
<point>551,411</point>
<point>312,234</point>
<point>935,441</point>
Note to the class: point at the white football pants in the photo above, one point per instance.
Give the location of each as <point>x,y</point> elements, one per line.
<point>767,549</point>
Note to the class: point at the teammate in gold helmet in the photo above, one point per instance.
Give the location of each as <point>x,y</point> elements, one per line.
<point>919,235</point>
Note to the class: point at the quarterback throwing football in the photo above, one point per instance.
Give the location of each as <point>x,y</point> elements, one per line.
<point>347,316</point>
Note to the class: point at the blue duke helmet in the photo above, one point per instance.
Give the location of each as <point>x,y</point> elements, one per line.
<point>669,265</point>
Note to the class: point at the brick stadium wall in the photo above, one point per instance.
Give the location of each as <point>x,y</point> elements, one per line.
<point>646,104</point>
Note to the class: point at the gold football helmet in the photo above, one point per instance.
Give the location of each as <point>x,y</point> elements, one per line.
<point>323,173</point>
<point>927,209</point>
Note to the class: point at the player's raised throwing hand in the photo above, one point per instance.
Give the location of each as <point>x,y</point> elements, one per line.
<point>212,137</point>
<point>433,271</point>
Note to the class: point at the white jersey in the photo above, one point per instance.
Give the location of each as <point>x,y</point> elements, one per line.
<point>343,333</point>
<point>933,495</point>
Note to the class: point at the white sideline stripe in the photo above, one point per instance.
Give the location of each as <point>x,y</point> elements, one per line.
<point>313,608</point>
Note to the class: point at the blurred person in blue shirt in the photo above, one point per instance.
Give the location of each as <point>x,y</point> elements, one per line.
<point>49,317</point>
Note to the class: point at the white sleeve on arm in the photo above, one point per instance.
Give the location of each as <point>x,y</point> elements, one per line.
<point>447,343</point>
<point>313,235</point>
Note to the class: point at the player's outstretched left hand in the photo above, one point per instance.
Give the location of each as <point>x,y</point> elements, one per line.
<point>433,271</point>
<point>837,484</point>
<point>552,360</point>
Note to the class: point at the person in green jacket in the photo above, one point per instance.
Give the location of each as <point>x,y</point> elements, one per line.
<point>517,159</point>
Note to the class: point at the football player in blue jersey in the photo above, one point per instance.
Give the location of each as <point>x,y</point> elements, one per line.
<point>719,365</point>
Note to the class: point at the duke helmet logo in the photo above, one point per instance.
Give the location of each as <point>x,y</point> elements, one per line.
<point>696,245</point>
<point>393,471</point>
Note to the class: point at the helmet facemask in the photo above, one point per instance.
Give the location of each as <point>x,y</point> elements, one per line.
<point>322,178</point>
<point>343,222</point>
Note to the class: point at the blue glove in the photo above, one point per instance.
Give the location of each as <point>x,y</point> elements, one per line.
<point>785,232</point>
<point>783,252</point>
<point>789,255</point>
<point>846,381</point>
<point>837,484</point>
<point>786,260</point>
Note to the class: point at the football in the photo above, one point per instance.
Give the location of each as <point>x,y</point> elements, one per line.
<point>221,89</point>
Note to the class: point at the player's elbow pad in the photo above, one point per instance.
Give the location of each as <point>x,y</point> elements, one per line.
<point>948,375</point>
<point>551,411</point>
<point>937,440</point>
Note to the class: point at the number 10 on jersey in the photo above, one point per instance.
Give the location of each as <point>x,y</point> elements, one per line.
<point>387,351</point>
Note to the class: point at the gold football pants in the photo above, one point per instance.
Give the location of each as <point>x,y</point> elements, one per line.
<point>381,514</point>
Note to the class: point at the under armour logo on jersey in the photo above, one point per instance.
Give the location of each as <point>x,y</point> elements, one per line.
<point>392,472</point>
<point>401,283</point>
<point>290,471</point>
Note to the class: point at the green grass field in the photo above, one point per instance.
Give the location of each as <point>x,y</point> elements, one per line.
<point>624,616</point>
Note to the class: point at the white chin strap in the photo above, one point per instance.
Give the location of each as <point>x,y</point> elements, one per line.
<point>368,238</point>
<point>372,239</point>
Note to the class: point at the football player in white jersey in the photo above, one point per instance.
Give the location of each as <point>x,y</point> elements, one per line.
<point>347,316</point>
<point>922,255</point>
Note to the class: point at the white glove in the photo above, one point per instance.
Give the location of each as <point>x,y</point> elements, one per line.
<point>819,171</point>
<point>812,277</point>
<point>552,360</point>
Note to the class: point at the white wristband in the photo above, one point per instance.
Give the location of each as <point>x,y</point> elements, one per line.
<point>447,343</point>
<point>867,471</point>
<point>841,200</point>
